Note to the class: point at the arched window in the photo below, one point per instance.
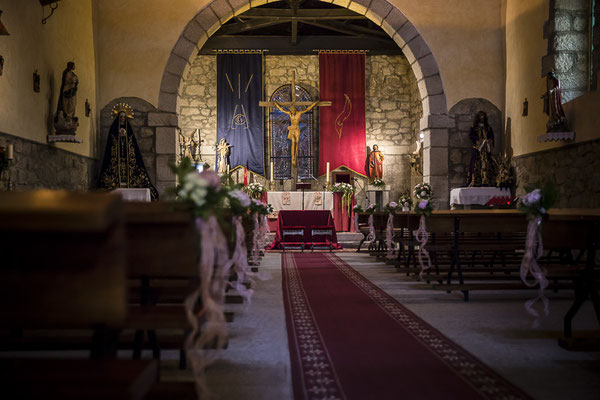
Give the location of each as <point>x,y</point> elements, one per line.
<point>280,145</point>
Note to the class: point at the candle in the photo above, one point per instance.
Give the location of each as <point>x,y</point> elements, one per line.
<point>327,173</point>
<point>272,177</point>
<point>10,152</point>
<point>227,169</point>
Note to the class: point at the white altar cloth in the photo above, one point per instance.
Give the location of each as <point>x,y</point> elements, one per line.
<point>295,200</point>
<point>476,195</point>
<point>134,194</point>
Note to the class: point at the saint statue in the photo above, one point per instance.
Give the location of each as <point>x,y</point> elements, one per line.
<point>123,166</point>
<point>294,128</point>
<point>223,152</point>
<point>375,163</point>
<point>481,169</point>
<point>557,121</point>
<point>415,159</point>
<point>65,121</point>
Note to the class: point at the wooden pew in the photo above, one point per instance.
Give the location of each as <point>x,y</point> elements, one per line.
<point>64,267</point>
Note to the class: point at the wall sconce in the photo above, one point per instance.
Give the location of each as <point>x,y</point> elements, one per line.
<point>88,108</point>
<point>3,30</point>
<point>53,6</point>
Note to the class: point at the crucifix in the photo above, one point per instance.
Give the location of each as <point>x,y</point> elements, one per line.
<point>290,108</point>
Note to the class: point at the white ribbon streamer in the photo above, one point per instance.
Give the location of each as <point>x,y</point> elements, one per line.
<point>355,218</point>
<point>209,329</point>
<point>389,235</point>
<point>371,235</point>
<point>529,266</point>
<point>240,261</point>
<point>421,236</point>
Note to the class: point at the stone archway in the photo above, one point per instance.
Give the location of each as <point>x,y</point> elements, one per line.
<point>434,124</point>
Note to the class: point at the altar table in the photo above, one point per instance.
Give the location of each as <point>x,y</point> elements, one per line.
<point>276,199</point>
<point>307,219</point>
<point>476,195</point>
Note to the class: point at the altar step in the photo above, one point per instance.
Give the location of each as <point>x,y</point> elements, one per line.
<point>348,240</point>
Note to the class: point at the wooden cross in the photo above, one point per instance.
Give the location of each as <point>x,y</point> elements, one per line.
<point>293,102</point>
<point>294,114</point>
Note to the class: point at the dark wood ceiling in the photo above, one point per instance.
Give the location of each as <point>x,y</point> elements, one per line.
<point>300,27</point>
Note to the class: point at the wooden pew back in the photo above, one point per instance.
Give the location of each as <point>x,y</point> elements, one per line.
<point>63,261</point>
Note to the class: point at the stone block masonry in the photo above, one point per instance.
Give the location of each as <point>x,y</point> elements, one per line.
<point>574,169</point>
<point>393,105</point>
<point>42,166</point>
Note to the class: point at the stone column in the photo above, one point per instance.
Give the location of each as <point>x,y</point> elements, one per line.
<point>435,157</point>
<point>166,145</point>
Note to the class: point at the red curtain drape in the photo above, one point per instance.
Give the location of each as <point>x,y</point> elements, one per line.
<point>341,216</point>
<point>342,133</point>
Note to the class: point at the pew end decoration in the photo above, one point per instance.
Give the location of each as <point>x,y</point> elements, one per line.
<point>356,210</point>
<point>390,208</point>
<point>371,209</point>
<point>423,195</point>
<point>205,194</point>
<point>535,204</point>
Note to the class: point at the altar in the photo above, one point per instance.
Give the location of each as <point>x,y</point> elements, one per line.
<point>293,200</point>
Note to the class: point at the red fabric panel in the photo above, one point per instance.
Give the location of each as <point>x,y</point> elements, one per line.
<point>264,197</point>
<point>342,81</point>
<point>343,219</point>
<point>306,218</point>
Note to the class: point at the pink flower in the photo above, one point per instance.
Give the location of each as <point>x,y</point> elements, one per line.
<point>212,178</point>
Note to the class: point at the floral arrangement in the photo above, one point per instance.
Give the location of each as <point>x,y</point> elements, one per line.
<point>423,191</point>
<point>378,183</point>
<point>347,191</point>
<point>536,202</point>
<point>405,201</point>
<point>239,202</point>
<point>424,195</point>
<point>391,207</point>
<point>254,190</point>
<point>203,191</point>
<point>357,209</point>
<point>371,209</point>
<point>260,207</point>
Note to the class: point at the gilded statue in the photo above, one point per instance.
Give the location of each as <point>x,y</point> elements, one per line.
<point>294,128</point>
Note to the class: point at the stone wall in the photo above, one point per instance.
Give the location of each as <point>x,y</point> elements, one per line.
<point>567,34</point>
<point>459,144</point>
<point>574,169</point>
<point>147,120</point>
<point>39,165</point>
<point>393,106</point>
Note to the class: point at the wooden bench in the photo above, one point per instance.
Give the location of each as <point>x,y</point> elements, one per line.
<point>64,267</point>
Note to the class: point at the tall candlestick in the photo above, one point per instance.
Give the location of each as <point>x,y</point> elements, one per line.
<point>272,177</point>
<point>10,152</point>
<point>327,174</point>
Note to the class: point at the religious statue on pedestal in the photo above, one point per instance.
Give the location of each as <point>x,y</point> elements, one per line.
<point>294,128</point>
<point>415,159</point>
<point>481,169</point>
<point>223,153</point>
<point>557,121</point>
<point>123,166</point>
<point>65,121</point>
<point>375,163</point>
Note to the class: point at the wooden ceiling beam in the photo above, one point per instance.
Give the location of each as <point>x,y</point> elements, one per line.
<point>239,27</point>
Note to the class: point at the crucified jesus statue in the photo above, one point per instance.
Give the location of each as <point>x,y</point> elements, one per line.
<point>294,114</point>
<point>294,128</point>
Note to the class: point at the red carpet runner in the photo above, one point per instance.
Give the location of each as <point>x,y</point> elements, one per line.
<point>350,340</point>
